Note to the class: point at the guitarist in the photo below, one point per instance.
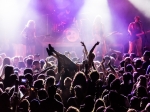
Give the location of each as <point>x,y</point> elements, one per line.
<point>98,33</point>
<point>29,37</point>
<point>135,42</point>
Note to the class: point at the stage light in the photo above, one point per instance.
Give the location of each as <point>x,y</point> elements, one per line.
<point>92,8</point>
<point>11,12</point>
<point>143,6</point>
<point>61,4</point>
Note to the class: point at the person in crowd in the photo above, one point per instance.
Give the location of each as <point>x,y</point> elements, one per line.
<point>88,104</point>
<point>6,61</point>
<point>67,87</point>
<point>15,61</point>
<point>34,106</point>
<point>77,99</point>
<point>29,63</point>
<point>146,58</point>
<point>50,104</point>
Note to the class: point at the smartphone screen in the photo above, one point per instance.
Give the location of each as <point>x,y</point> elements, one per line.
<point>23,80</point>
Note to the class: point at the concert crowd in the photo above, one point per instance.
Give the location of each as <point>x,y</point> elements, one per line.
<point>116,82</point>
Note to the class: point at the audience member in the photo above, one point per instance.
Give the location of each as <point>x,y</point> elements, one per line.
<point>115,83</point>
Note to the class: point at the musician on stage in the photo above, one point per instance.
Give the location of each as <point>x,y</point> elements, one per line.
<point>29,37</point>
<point>98,33</point>
<point>135,42</point>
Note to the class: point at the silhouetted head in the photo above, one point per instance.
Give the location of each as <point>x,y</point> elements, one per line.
<point>50,81</point>
<point>42,94</point>
<point>8,70</point>
<point>146,55</point>
<point>141,92</point>
<point>78,91</point>
<point>126,77</point>
<point>52,91</point>
<point>79,79</point>
<point>6,61</point>
<point>115,85</point>
<point>29,62</point>
<point>29,77</point>
<point>28,70</point>
<point>94,75</point>
<point>135,102</point>
<point>144,102</point>
<point>113,97</point>
<point>34,105</point>
<point>137,18</point>
<point>24,105</point>
<point>147,108</point>
<point>110,78</point>
<point>38,84</point>
<point>99,103</point>
<point>72,109</point>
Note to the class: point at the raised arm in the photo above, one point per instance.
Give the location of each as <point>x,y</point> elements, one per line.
<point>85,49</point>
<point>103,68</point>
<point>91,55</point>
<point>97,43</point>
<point>112,69</point>
<point>63,61</point>
<point>129,28</point>
<point>51,51</point>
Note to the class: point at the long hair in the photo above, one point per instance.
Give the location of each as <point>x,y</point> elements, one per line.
<point>97,20</point>
<point>98,26</point>
<point>79,79</point>
<point>31,24</point>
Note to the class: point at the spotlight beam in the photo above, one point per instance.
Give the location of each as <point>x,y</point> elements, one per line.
<point>143,6</point>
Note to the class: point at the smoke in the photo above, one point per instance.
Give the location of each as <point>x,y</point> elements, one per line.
<point>143,6</point>
<point>11,12</point>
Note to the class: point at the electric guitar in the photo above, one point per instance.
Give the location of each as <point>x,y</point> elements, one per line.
<point>140,34</point>
<point>136,36</point>
<point>36,39</point>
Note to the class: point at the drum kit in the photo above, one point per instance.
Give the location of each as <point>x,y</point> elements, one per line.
<point>72,33</point>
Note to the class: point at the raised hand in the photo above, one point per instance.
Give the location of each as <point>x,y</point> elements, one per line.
<point>50,50</point>
<point>82,43</point>
<point>85,49</point>
<point>97,43</point>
